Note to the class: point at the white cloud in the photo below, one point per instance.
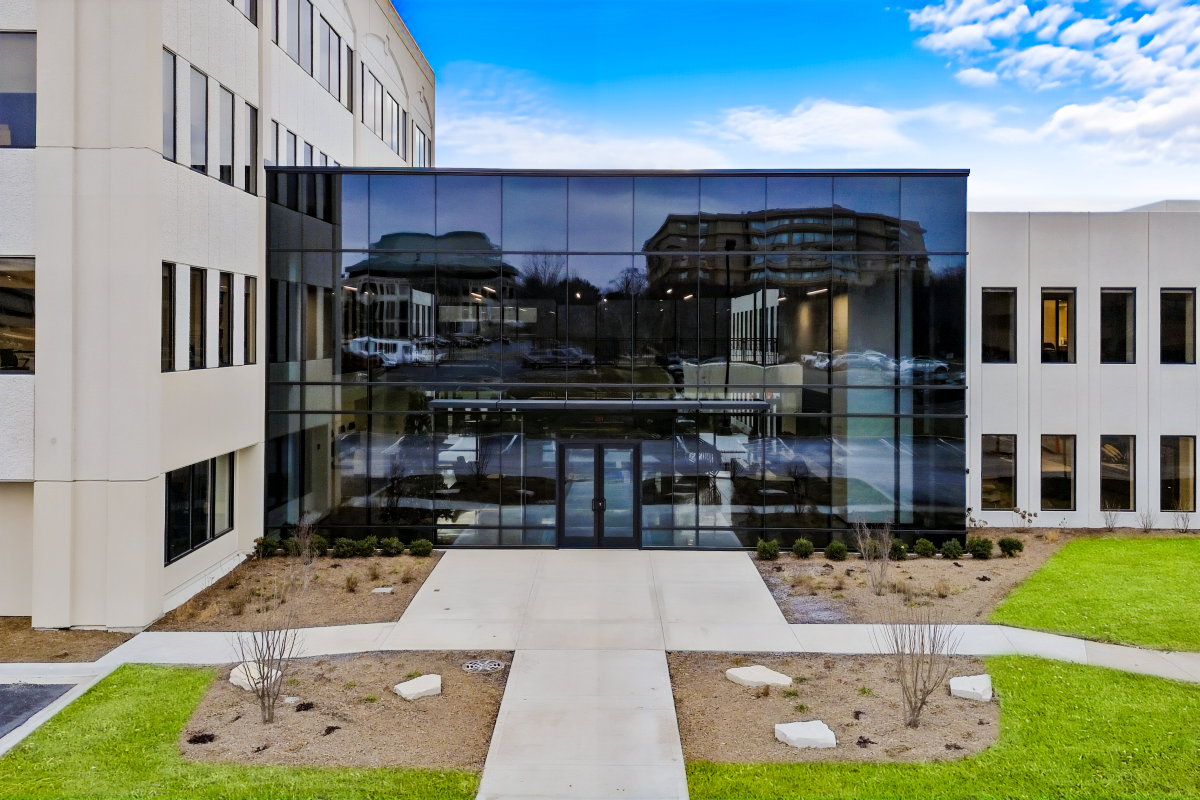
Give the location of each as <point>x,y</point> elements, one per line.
<point>812,125</point>
<point>974,76</point>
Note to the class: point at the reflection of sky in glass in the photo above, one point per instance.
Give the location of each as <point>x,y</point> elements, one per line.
<point>655,198</point>
<point>355,212</point>
<point>535,213</point>
<point>401,204</point>
<point>603,272</point>
<point>937,204</point>
<point>733,195</point>
<point>469,203</point>
<point>799,192</point>
<point>868,195</point>
<point>601,214</point>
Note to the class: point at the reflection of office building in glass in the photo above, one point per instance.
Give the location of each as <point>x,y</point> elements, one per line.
<point>617,359</point>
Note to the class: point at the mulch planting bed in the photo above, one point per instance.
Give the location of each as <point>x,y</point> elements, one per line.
<point>232,603</point>
<point>855,696</point>
<point>964,590</point>
<point>347,715</point>
<point>20,643</point>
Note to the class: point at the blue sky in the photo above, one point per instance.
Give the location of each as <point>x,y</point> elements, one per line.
<point>1053,105</point>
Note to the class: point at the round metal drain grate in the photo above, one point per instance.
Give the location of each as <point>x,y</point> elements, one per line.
<point>483,665</point>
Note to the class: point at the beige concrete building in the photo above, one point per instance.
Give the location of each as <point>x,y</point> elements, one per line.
<point>133,137</point>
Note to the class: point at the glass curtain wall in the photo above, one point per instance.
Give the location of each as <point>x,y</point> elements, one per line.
<point>777,354</point>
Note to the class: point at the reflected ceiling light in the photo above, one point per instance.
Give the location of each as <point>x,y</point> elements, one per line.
<point>489,289</point>
<point>817,291</point>
<point>781,299</point>
<point>476,295</point>
<point>670,290</point>
<point>689,297</point>
<point>578,295</point>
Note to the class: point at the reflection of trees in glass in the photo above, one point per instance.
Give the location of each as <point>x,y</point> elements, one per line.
<point>632,282</point>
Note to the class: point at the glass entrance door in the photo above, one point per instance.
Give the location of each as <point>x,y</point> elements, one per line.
<point>599,490</point>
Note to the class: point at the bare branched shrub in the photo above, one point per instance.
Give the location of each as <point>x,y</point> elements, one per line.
<point>1181,521</point>
<point>269,648</point>
<point>1146,520</point>
<point>874,545</point>
<point>1110,518</point>
<point>920,644</point>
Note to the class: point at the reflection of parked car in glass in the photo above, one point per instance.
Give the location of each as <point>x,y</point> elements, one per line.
<point>923,370</point>
<point>427,357</point>
<point>388,352</point>
<point>815,360</point>
<point>557,357</point>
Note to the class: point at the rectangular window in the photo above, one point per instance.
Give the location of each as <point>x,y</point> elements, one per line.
<point>199,125</point>
<point>306,36</point>
<point>225,321</point>
<point>1058,473</point>
<point>250,315</point>
<point>18,89</point>
<point>168,108</point>
<point>1116,326</point>
<point>999,479</point>
<point>291,25</point>
<point>16,314</point>
<point>197,308</point>
<point>348,71</point>
<point>1058,326</point>
<point>308,155</point>
<point>227,133</point>
<point>199,505</point>
<point>999,336</point>
<point>1178,336</point>
<point>421,154</point>
<point>323,160</point>
<point>1116,473</point>
<point>273,160</point>
<point>168,317</point>
<point>290,150</point>
<point>404,134</point>
<point>329,58</point>
<point>393,115</point>
<point>1178,473</point>
<point>251,144</point>
<point>249,9</point>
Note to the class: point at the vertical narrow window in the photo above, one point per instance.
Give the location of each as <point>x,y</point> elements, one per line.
<point>225,320</point>
<point>404,135</point>
<point>1178,331</point>
<point>275,27</point>
<point>1058,473</point>
<point>222,494</point>
<point>999,478</point>
<point>251,145</point>
<point>179,516</point>
<point>168,317</point>
<point>1117,474</point>
<point>306,36</point>
<point>199,87</point>
<point>323,160</point>
<point>197,308</point>
<point>1058,326</point>
<point>273,159</point>
<point>1117,329</point>
<point>999,335</point>
<point>308,155</point>
<point>168,109</point>
<point>348,71</point>
<point>16,314</point>
<point>249,9</point>
<point>324,74</point>
<point>292,28</point>
<point>1178,473</point>
<point>393,117</point>
<point>250,303</point>
<point>227,133</point>
<point>289,156</point>
<point>18,89</point>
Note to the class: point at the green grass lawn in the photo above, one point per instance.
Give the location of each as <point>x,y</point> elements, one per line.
<point>119,740</point>
<point>1129,591</point>
<point>1066,730</point>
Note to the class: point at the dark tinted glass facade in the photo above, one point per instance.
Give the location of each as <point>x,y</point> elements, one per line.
<point>660,359</point>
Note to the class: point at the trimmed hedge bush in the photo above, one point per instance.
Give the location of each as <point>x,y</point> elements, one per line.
<point>420,547</point>
<point>899,550</point>
<point>265,547</point>
<point>952,548</point>
<point>319,545</point>
<point>835,551</point>
<point>767,550</point>
<point>364,548</point>
<point>1010,546</point>
<point>391,546</point>
<point>980,547</point>
<point>802,547</point>
<point>924,548</point>
<point>343,547</point>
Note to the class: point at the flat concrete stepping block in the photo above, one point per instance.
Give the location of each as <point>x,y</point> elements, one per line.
<point>246,675</point>
<point>972,687</point>
<point>424,686</point>
<point>814,734</point>
<point>757,675</point>
<point>382,590</point>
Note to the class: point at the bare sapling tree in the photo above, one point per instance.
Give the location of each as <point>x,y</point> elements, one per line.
<point>1110,517</point>
<point>268,649</point>
<point>874,546</point>
<point>1181,520</point>
<point>1146,520</point>
<point>920,644</point>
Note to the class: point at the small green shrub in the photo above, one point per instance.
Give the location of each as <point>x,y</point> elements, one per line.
<point>924,548</point>
<point>802,547</point>
<point>952,548</point>
<point>291,547</point>
<point>899,550</point>
<point>420,547</point>
<point>391,546</point>
<point>318,546</point>
<point>343,548</point>
<point>365,548</point>
<point>980,547</point>
<point>1010,546</point>
<point>767,550</point>
<point>265,546</point>
<point>835,551</point>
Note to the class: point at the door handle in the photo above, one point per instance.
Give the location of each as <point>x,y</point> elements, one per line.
<point>598,504</point>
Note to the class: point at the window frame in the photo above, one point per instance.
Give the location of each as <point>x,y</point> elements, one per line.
<point>1074,470</point>
<point>1131,345</point>
<point>225,319</point>
<point>251,177</point>
<point>228,104</point>
<point>983,449</point>
<point>1013,322</point>
<point>210,533</point>
<point>1131,441</point>
<point>168,302</point>
<point>10,360</point>
<point>1162,479</point>
<point>1189,325</point>
<point>173,135</point>
<point>1072,342</point>
<point>250,319</point>
<point>10,146</point>
<point>202,167</point>
<point>197,318</point>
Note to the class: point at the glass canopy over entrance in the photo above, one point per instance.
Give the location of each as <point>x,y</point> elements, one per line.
<point>596,359</point>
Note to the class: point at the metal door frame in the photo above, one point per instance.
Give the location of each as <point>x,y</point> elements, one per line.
<point>598,445</point>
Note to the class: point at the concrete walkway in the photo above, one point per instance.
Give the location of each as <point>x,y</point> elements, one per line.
<point>588,710</point>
